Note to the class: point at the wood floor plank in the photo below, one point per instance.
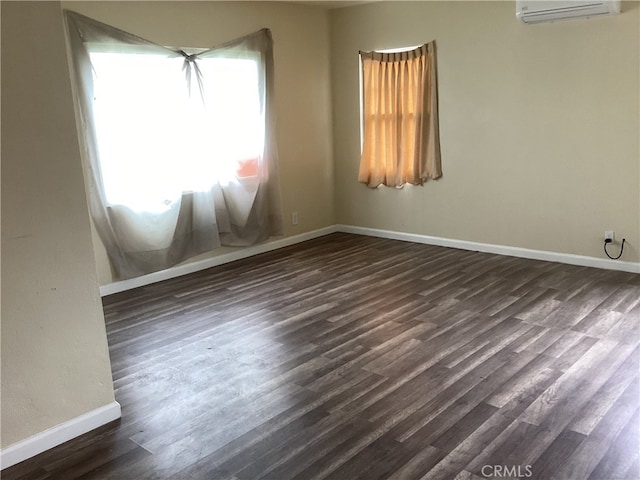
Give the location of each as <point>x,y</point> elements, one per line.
<point>456,462</point>
<point>349,357</point>
<point>600,403</point>
<point>619,460</point>
<point>556,455</point>
<point>593,449</point>
<point>458,394</point>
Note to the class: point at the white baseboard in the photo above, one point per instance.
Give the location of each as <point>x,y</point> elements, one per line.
<point>180,270</point>
<point>59,434</point>
<point>568,258</point>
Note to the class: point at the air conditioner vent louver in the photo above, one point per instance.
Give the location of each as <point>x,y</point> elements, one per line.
<point>537,11</point>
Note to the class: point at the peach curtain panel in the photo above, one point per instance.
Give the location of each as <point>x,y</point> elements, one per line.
<point>400,117</point>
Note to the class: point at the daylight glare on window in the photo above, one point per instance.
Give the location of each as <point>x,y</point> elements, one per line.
<point>158,137</point>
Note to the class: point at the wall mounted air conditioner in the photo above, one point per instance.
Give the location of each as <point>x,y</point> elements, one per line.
<point>537,11</point>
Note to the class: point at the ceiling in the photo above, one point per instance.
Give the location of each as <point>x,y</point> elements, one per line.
<point>331,4</point>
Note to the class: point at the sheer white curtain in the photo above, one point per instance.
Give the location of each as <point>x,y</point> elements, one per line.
<point>180,146</point>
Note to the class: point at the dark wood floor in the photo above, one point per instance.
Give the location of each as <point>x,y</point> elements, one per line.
<point>350,357</point>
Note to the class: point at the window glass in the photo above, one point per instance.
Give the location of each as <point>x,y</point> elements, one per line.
<point>158,137</point>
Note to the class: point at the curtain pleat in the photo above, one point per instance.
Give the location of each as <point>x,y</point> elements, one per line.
<point>249,208</point>
<point>400,117</point>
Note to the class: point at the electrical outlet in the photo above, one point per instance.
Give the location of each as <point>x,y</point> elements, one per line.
<point>294,218</point>
<point>609,235</point>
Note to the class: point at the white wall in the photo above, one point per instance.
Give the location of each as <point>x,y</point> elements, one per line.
<point>55,363</point>
<point>539,126</point>
<point>302,86</point>
<point>538,123</point>
<point>539,137</point>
